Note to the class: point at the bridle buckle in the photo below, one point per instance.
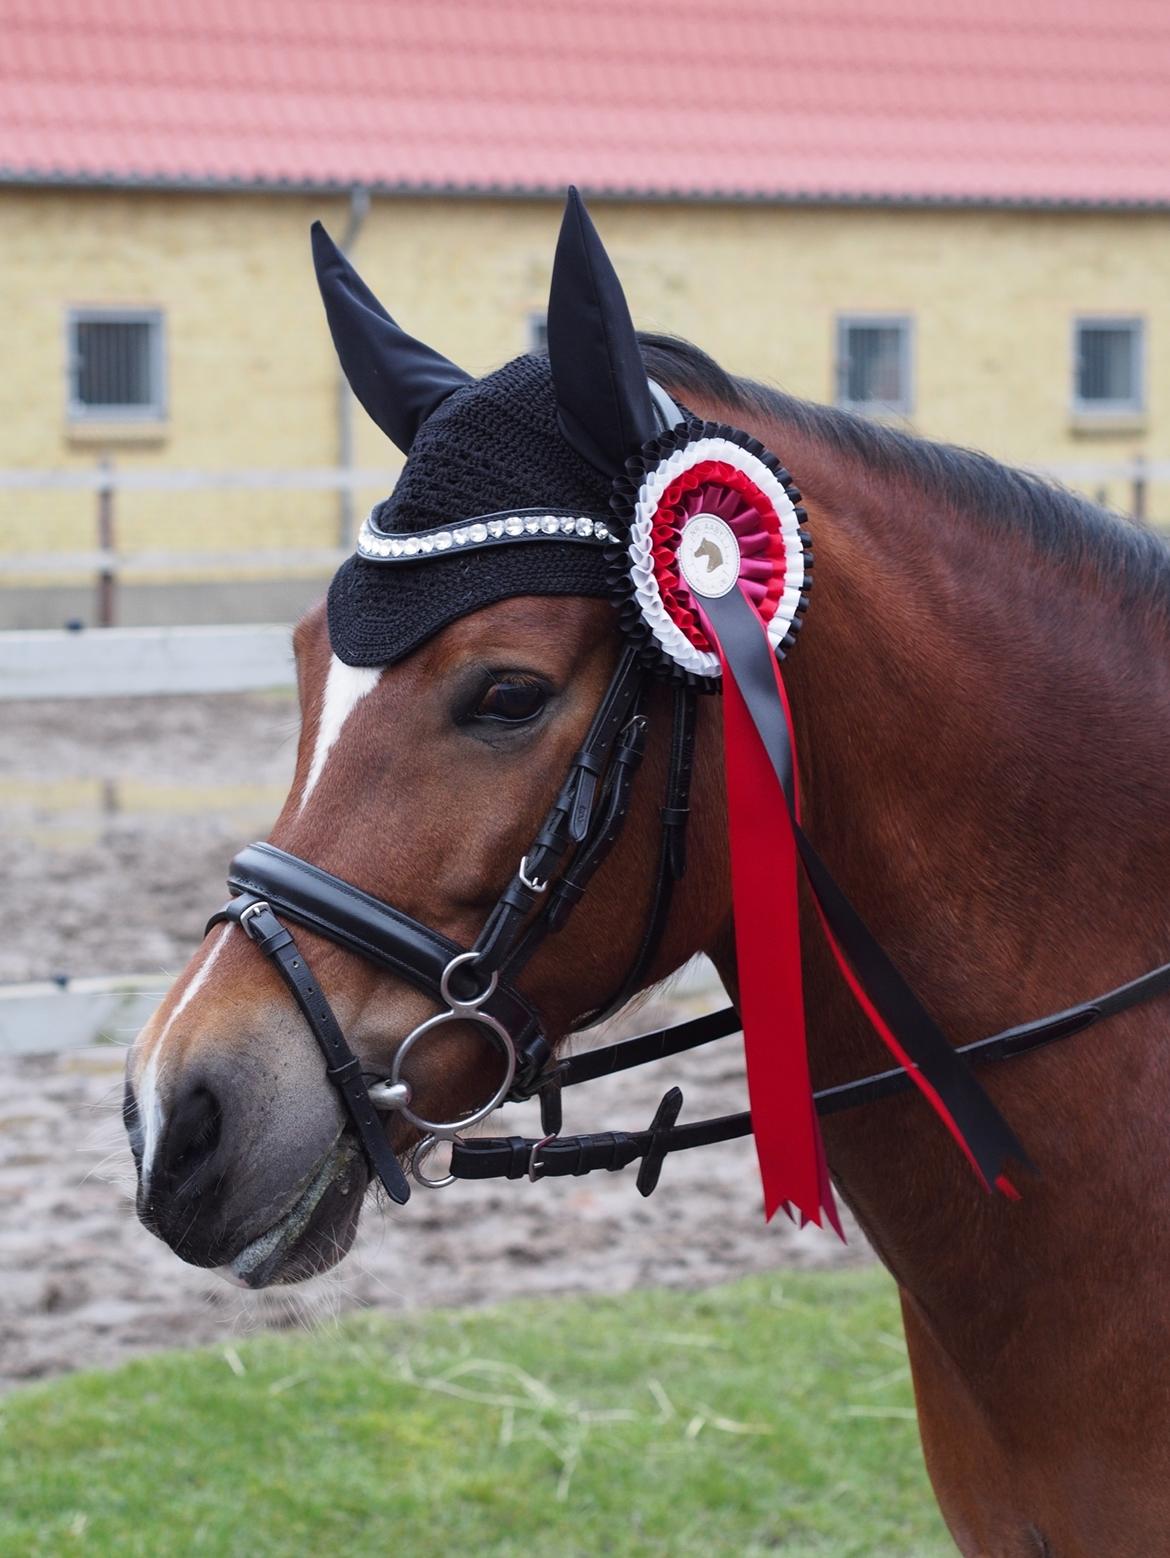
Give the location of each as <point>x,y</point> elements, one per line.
<point>532,883</point>
<point>250,914</point>
<point>533,1166</point>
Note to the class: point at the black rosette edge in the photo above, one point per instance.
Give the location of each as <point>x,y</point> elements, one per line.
<point>623,501</point>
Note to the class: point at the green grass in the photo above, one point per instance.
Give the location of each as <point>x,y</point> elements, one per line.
<point>769,1416</point>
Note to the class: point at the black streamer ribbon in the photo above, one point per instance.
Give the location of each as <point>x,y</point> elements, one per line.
<point>913,1035</point>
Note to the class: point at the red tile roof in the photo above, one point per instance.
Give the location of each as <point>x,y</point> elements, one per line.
<point>1006,100</point>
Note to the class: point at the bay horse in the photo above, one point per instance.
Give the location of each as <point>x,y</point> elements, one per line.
<point>981,698</point>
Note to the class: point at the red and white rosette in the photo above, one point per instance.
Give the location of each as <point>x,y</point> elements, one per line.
<point>710,516</point>
<point>711,582</point>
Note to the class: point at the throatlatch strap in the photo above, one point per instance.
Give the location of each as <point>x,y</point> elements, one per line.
<point>672,852</point>
<point>342,1066</point>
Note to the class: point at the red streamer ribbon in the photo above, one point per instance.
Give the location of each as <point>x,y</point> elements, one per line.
<point>787,1133</point>
<point>766,843</point>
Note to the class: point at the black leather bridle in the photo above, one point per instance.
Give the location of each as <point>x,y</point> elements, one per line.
<point>478,984</point>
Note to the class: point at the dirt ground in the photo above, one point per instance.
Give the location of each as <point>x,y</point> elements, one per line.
<point>119,817</point>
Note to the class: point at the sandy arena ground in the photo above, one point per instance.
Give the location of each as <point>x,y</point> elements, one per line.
<point>119,817</point>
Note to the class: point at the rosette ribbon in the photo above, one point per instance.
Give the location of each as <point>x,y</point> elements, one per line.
<point>719,545</point>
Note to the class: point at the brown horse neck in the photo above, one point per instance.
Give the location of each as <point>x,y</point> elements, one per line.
<point>982,741</point>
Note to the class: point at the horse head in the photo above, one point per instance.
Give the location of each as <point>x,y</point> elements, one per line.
<point>441,709</point>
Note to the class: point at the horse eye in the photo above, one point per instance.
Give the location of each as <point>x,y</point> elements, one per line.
<point>512,703</point>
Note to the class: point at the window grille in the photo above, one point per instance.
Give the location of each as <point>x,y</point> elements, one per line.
<point>873,364</point>
<point>116,364</point>
<point>1108,365</point>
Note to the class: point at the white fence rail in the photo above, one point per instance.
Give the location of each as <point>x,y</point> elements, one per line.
<point>106,477</point>
<point>51,1016</point>
<point>120,662</point>
<point>110,564</point>
<point>42,1018</point>
<point>189,564</point>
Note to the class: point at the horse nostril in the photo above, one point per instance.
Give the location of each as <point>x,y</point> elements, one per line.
<point>132,1122</point>
<point>192,1136</point>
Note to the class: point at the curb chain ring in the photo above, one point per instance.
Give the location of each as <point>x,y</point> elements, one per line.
<point>394,1094</point>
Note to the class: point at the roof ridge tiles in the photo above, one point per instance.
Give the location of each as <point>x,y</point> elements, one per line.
<point>1065,103</point>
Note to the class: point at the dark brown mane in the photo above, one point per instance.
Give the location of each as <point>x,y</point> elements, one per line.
<point>1010,503</point>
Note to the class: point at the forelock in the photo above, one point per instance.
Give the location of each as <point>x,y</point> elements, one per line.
<point>493,446</point>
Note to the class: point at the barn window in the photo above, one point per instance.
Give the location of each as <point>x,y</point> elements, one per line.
<point>116,364</point>
<point>1107,365</point>
<point>873,363</point>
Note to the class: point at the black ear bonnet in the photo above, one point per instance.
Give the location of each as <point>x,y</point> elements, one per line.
<point>492,447</point>
<point>538,443</point>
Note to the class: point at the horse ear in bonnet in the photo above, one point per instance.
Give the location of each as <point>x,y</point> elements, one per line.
<point>604,407</point>
<point>398,380</point>
<point>576,475</point>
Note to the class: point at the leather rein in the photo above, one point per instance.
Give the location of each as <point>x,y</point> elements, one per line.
<point>477,984</point>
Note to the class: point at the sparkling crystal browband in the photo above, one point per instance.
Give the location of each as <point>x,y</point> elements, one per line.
<point>378,546</point>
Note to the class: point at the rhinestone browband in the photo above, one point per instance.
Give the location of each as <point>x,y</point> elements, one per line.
<point>379,546</point>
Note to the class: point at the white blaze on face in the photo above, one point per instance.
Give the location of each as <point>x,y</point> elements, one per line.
<point>150,1115</point>
<point>150,1107</point>
<point>345,687</point>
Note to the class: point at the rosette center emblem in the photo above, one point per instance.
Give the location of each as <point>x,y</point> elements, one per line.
<point>708,555</point>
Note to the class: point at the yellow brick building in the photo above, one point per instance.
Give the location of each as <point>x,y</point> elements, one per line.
<point>1035,326</point>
